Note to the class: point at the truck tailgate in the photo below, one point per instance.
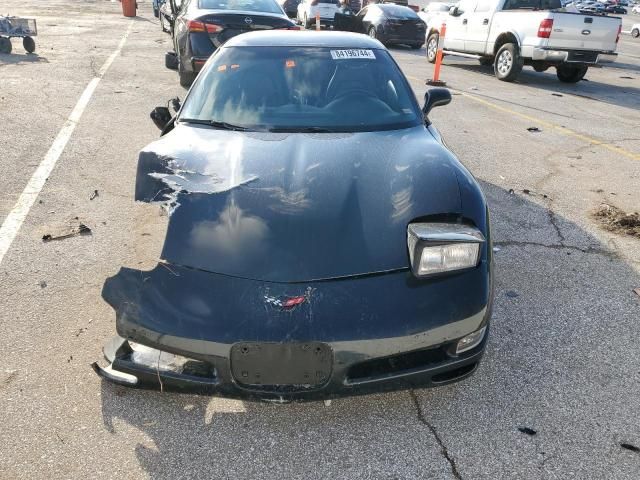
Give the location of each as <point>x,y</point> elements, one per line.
<point>575,31</point>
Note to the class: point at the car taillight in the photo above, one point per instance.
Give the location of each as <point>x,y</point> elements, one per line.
<point>544,30</point>
<point>195,26</point>
<point>619,32</point>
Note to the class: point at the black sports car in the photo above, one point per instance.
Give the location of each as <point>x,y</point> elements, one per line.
<point>321,239</point>
<point>392,24</point>
<point>199,27</point>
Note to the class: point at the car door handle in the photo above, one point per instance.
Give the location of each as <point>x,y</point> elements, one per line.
<point>485,21</point>
<point>464,22</point>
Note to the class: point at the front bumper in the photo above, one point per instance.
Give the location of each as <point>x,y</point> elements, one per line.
<point>384,332</point>
<point>572,56</point>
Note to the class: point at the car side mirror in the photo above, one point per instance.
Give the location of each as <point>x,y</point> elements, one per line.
<point>161,117</point>
<point>435,97</point>
<point>454,12</point>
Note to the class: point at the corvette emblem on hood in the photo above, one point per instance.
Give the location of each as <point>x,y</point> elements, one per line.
<point>287,303</point>
<point>248,20</point>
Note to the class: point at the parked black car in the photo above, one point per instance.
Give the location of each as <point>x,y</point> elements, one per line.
<point>615,9</point>
<point>321,241</point>
<point>392,24</point>
<point>201,26</point>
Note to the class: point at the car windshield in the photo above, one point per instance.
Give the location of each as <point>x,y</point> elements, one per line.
<point>302,89</point>
<point>269,6</point>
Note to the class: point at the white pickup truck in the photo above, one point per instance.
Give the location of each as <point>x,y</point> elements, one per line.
<point>512,33</point>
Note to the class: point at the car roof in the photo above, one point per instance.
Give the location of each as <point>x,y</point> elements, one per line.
<point>294,38</point>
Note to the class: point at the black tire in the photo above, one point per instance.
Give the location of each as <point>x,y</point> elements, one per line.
<point>5,45</point>
<point>156,13</point>
<point>186,78</point>
<point>508,63</point>
<point>171,61</point>
<point>571,73</point>
<point>29,44</point>
<point>485,61</point>
<point>432,47</point>
<point>635,33</point>
<point>540,66</point>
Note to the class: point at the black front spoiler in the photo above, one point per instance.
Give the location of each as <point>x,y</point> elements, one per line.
<point>123,371</point>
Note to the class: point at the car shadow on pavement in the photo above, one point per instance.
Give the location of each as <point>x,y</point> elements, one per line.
<point>560,294</point>
<point>624,96</point>
<point>15,58</point>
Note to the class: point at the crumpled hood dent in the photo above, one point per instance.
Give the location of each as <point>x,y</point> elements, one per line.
<point>285,207</point>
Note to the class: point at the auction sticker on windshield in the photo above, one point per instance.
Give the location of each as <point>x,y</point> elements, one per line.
<point>348,54</point>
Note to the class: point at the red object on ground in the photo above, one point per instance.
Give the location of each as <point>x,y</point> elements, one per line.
<point>129,8</point>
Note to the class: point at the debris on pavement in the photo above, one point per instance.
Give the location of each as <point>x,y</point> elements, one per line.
<point>512,294</point>
<point>496,249</point>
<point>627,78</point>
<point>93,195</point>
<point>533,129</point>
<point>628,446</point>
<point>43,284</point>
<point>616,220</point>
<point>526,191</point>
<point>557,95</point>
<point>527,431</point>
<point>73,229</point>
<point>637,291</point>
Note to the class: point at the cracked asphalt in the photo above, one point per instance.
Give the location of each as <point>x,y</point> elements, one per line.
<point>562,360</point>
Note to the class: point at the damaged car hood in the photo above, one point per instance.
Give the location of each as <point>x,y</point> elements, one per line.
<point>293,207</point>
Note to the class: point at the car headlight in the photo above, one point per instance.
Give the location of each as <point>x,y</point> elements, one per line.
<point>443,247</point>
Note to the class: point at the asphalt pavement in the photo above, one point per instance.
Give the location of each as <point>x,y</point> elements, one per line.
<point>555,397</point>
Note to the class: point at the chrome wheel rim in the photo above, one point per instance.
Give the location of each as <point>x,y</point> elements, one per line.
<point>432,48</point>
<point>505,61</point>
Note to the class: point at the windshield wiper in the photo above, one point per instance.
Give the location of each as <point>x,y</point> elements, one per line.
<point>301,130</point>
<point>214,124</point>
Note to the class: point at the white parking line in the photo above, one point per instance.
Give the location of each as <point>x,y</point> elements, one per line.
<point>18,214</point>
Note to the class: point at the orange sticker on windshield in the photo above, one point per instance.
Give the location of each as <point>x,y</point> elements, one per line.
<point>222,68</point>
<point>290,64</point>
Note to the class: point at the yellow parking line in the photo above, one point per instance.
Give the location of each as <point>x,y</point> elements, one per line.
<point>558,128</point>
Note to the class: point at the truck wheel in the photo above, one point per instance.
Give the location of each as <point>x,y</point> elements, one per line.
<point>485,61</point>
<point>29,44</point>
<point>570,73</point>
<point>508,63</point>
<point>5,45</point>
<point>635,33</point>
<point>432,47</point>
<point>540,66</point>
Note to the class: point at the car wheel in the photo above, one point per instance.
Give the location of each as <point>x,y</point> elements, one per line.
<point>508,63</point>
<point>635,33</point>
<point>372,32</point>
<point>485,61</point>
<point>432,47</point>
<point>29,44</point>
<point>570,73</point>
<point>186,78</point>
<point>5,45</point>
